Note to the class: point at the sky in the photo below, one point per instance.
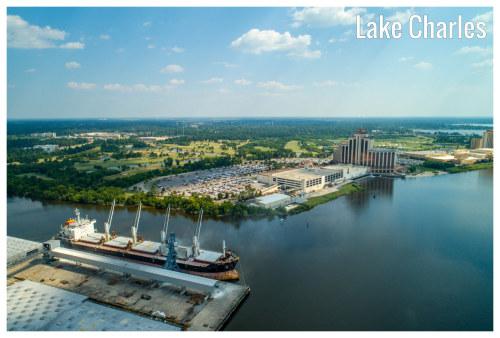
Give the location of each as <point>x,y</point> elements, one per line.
<point>240,63</point>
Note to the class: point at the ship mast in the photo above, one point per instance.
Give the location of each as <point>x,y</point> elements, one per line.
<point>77,213</point>
<point>107,225</point>
<point>135,227</point>
<point>196,237</point>
<point>164,231</point>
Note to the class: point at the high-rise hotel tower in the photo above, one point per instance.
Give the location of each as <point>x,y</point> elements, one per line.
<point>359,150</point>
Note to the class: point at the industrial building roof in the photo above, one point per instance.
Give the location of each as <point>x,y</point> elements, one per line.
<point>305,173</point>
<point>268,199</point>
<point>35,307</point>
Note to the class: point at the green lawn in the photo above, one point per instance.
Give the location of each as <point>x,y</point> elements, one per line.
<point>464,168</point>
<point>294,146</point>
<point>412,143</point>
<point>314,201</point>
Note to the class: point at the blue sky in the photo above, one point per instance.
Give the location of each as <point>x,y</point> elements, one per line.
<point>239,62</point>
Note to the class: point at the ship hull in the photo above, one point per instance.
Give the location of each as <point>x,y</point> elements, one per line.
<point>224,270</point>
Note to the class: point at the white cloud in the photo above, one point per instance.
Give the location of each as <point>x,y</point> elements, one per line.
<point>327,83</point>
<point>73,45</point>
<point>326,16</point>
<point>72,65</point>
<point>334,40</point>
<point>177,49</point>
<point>307,54</point>
<point>487,18</point>
<point>257,41</point>
<point>483,64</point>
<point>176,82</point>
<point>405,58</point>
<point>422,65</point>
<point>104,37</point>
<point>30,70</point>
<point>278,86</point>
<point>147,24</point>
<point>80,85</point>
<point>151,46</point>
<point>213,80</point>
<point>115,87</point>
<point>135,88</point>
<point>343,38</point>
<point>402,17</point>
<point>333,83</point>
<point>21,34</point>
<point>242,82</point>
<point>474,50</point>
<point>172,69</point>
<point>226,64</point>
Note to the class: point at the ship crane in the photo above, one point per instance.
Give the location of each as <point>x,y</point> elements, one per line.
<point>107,225</point>
<point>196,237</point>
<point>164,232</point>
<point>77,213</point>
<point>135,227</point>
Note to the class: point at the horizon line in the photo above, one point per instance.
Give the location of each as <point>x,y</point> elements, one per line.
<point>242,118</point>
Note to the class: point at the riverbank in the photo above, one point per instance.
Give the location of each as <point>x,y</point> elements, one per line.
<point>444,168</point>
<point>427,174</point>
<point>315,201</point>
<point>471,167</point>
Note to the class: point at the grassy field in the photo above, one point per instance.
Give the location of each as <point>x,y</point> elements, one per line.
<point>314,201</point>
<point>260,148</point>
<point>294,146</point>
<point>464,168</point>
<point>181,153</point>
<point>412,143</point>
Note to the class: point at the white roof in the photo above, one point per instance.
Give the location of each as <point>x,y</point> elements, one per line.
<point>272,198</point>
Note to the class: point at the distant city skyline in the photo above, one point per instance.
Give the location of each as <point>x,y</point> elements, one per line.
<point>239,63</point>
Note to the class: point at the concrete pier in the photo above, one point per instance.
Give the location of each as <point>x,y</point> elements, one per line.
<point>145,298</point>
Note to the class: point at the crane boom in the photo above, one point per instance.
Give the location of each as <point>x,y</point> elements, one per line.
<point>111,213</point>
<point>138,216</point>
<point>167,220</point>
<point>200,220</point>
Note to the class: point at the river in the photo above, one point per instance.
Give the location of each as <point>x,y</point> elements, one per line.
<point>414,254</point>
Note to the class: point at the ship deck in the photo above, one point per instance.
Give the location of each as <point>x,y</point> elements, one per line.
<point>140,302</point>
<point>145,248</point>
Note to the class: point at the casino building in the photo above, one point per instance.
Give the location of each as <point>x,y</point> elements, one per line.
<point>358,150</point>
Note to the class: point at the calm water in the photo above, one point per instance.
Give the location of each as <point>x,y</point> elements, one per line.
<point>411,254</point>
<point>466,132</point>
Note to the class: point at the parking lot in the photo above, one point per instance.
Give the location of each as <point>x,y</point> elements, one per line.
<point>217,183</point>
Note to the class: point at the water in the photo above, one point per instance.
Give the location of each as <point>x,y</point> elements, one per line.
<point>464,132</point>
<point>412,254</point>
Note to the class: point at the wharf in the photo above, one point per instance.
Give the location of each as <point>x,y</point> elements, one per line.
<point>128,298</point>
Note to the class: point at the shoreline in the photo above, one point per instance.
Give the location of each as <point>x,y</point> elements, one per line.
<point>317,198</point>
<point>427,173</point>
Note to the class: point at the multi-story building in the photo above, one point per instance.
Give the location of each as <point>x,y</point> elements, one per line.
<point>487,140</point>
<point>359,150</point>
<point>476,142</point>
<point>303,179</point>
<point>482,142</point>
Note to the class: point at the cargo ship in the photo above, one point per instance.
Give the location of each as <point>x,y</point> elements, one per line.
<point>80,233</point>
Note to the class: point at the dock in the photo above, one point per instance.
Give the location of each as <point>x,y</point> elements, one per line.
<point>100,292</point>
